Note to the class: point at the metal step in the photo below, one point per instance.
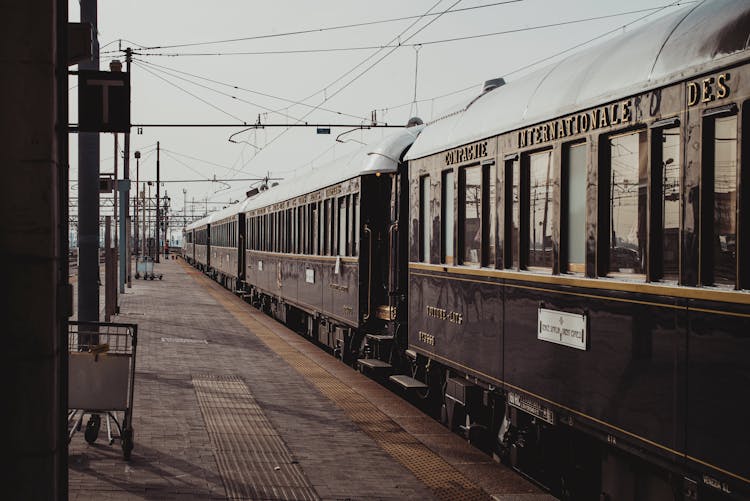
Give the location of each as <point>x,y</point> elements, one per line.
<point>379,337</point>
<point>408,383</point>
<point>373,363</point>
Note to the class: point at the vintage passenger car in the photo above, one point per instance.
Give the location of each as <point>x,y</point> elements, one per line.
<point>580,259</point>
<point>573,252</point>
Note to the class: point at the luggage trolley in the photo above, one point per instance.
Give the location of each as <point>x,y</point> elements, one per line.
<point>101,376</point>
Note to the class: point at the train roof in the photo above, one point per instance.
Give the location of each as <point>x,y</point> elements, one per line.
<point>382,156</point>
<point>680,45</point>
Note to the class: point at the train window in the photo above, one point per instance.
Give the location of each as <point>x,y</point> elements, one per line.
<point>355,244</point>
<point>541,210</point>
<point>574,213</point>
<point>447,218</point>
<point>512,217</point>
<point>720,255</point>
<point>489,213</point>
<point>314,225</point>
<point>470,220</point>
<point>289,230</point>
<point>627,203</point>
<point>664,255</point>
<point>425,223</point>
<point>350,225</point>
<point>342,226</point>
<point>321,227</point>
<point>299,233</point>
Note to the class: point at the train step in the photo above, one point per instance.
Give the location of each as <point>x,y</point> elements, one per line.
<point>373,364</point>
<point>408,383</point>
<point>379,337</point>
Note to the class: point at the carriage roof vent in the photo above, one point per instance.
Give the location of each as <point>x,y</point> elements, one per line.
<point>493,84</point>
<point>414,121</point>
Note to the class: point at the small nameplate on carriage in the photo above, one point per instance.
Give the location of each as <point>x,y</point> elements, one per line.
<point>567,329</point>
<point>309,276</point>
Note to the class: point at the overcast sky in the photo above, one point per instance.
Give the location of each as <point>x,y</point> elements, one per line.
<point>175,85</point>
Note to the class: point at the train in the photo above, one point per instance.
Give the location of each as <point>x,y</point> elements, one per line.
<point>558,268</point>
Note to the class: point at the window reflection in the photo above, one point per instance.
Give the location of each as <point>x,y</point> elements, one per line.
<point>671,167</point>
<point>424,217</point>
<point>575,236</point>
<point>515,212</point>
<point>342,227</point>
<point>447,217</point>
<point>627,205</point>
<point>725,201</point>
<point>541,209</point>
<point>472,210</point>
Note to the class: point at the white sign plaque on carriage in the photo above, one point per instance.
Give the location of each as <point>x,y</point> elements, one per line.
<point>567,329</point>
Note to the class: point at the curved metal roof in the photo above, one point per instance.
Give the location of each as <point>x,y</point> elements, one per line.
<point>687,42</point>
<point>382,157</point>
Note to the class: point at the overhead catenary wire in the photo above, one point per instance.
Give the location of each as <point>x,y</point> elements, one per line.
<point>270,110</point>
<point>320,30</point>
<point>654,10</point>
<point>237,87</point>
<point>416,44</point>
<point>242,122</point>
<point>326,97</point>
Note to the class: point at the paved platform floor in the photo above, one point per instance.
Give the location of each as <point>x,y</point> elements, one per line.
<point>229,404</point>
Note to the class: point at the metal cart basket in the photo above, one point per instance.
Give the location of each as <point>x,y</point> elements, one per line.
<point>144,267</point>
<point>101,376</point>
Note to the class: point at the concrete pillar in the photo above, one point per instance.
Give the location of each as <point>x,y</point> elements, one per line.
<point>33,247</point>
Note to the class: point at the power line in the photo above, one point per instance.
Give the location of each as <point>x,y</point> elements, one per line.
<point>138,62</point>
<point>193,95</point>
<point>290,101</point>
<point>194,158</point>
<point>212,180</point>
<point>656,10</point>
<point>659,9</point>
<point>326,98</point>
<point>416,44</point>
<point>330,28</point>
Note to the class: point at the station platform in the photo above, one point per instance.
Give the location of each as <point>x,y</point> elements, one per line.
<point>230,404</point>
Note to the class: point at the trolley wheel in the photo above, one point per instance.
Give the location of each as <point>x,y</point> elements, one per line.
<point>127,442</point>
<point>92,428</point>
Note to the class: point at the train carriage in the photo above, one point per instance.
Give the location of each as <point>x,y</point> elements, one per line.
<point>580,259</point>
<point>227,242</point>
<point>200,243</point>
<point>325,255</point>
<point>188,244</point>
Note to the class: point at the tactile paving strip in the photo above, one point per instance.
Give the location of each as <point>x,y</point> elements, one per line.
<point>253,460</point>
<point>432,470</point>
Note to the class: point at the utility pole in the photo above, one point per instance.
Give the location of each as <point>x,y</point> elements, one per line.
<point>116,170</point>
<point>136,200</point>
<point>145,220</point>
<point>124,188</point>
<point>88,194</point>
<point>158,218</point>
<point>165,220</point>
